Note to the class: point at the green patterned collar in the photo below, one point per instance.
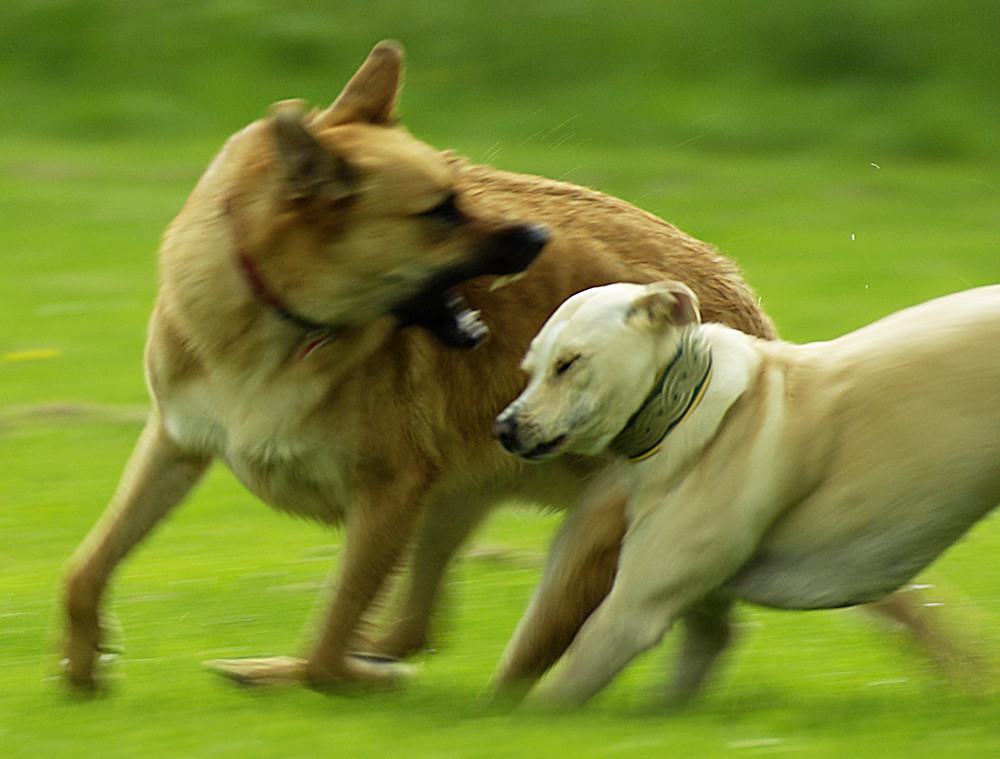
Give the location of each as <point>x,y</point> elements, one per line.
<point>675,394</point>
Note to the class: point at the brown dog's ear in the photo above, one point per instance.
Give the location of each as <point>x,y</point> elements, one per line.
<point>665,303</point>
<point>312,172</point>
<point>370,95</point>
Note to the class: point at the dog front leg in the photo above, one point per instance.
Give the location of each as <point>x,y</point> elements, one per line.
<point>378,529</point>
<point>446,525</point>
<point>672,557</point>
<point>611,637</point>
<point>158,476</point>
<point>376,538</point>
<point>578,575</point>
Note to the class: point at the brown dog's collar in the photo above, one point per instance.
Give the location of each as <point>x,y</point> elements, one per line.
<point>320,333</point>
<point>266,296</point>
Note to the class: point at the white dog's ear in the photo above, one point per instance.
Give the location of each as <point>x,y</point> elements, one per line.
<point>665,303</point>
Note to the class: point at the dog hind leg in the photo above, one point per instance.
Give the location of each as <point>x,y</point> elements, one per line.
<point>916,612</point>
<point>707,633</point>
<point>158,476</point>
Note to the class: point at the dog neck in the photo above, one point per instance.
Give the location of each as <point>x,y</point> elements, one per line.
<point>317,334</point>
<point>675,395</point>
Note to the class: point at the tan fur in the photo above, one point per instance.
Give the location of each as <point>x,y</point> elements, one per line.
<point>804,477</point>
<point>383,429</point>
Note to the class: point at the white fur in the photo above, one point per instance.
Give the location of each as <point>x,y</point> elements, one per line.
<point>809,476</point>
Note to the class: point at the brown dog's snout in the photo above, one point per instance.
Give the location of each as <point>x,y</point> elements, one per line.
<point>444,312</point>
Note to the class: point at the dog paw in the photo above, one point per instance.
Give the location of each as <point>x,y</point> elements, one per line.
<point>361,670</point>
<point>270,671</point>
<point>277,671</point>
<point>88,656</point>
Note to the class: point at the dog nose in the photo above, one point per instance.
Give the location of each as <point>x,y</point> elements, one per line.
<point>505,429</point>
<point>518,246</point>
<point>534,236</point>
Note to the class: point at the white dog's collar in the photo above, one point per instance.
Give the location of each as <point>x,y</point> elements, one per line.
<point>674,396</point>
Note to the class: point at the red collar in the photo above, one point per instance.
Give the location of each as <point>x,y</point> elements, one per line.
<point>318,334</point>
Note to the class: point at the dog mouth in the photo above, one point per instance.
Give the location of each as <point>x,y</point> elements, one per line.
<point>441,309</point>
<point>543,450</point>
<point>446,314</point>
<point>517,436</point>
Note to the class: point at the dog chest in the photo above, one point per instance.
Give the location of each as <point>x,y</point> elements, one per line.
<point>272,441</point>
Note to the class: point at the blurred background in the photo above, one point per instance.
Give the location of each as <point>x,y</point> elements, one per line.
<point>845,154</point>
<point>900,80</point>
<point>741,122</point>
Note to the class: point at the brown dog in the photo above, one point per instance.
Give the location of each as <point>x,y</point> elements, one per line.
<point>314,329</point>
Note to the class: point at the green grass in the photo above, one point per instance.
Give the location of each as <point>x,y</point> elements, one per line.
<point>844,155</point>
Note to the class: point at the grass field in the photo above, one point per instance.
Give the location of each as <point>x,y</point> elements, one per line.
<point>845,155</point>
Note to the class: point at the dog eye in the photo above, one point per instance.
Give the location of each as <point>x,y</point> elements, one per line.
<point>445,212</point>
<point>563,365</point>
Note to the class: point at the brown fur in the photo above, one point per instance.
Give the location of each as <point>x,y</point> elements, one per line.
<point>381,428</point>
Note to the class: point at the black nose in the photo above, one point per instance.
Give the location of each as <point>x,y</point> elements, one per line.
<point>505,430</point>
<point>533,237</point>
<point>513,249</point>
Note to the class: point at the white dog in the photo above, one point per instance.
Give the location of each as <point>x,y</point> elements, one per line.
<point>792,476</point>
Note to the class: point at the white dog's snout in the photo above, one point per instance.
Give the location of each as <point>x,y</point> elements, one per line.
<point>506,429</point>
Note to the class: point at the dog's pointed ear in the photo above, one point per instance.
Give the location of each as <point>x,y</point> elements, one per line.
<point>312,172</point>
<point>370,95</point>
<point>665,303</point>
